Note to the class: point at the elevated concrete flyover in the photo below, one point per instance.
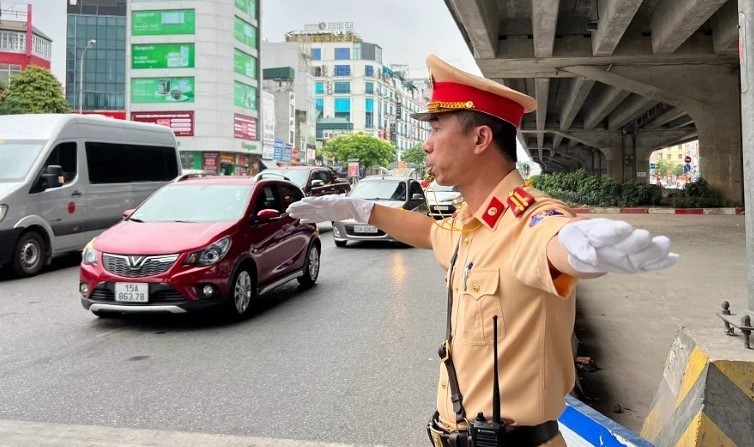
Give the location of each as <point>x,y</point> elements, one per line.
<point>616,80</point>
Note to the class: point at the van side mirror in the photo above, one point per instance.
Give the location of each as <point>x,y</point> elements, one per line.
<point>51,176</point>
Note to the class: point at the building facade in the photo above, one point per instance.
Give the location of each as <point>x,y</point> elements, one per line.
<point>194,66</point>
<point>354,91</point>
<point>96,42</point>
<point>21,44</point>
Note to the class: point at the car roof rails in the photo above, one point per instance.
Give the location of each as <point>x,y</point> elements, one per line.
<point>191,175</point>
<point>264,174</point>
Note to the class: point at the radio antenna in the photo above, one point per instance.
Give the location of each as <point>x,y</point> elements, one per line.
<point>495,379</point>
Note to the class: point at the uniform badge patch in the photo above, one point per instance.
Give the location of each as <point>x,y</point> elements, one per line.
<point>542,214</point>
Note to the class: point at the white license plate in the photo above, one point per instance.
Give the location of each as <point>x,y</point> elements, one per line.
<point>442,208</point>
<point>364,229</point>
<point>131,292</point>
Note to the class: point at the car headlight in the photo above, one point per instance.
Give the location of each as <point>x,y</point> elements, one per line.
<point>3,212</point>
<point>212,254</point>
<point>89,255</point>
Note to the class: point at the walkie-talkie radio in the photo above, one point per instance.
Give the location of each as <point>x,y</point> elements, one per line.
<point>486,433</point>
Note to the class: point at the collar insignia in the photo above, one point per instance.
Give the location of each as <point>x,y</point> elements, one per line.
<point>519,200</point>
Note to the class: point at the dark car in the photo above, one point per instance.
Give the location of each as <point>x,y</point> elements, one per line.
<point>199,243</point>
<point>393,191</point>
<point>313,180</point>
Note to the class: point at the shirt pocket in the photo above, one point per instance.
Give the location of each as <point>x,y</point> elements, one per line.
<point>479,302</point>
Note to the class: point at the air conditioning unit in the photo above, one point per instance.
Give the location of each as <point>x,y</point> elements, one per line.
<point>327,133</point>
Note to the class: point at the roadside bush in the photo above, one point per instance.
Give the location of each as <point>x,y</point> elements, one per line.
<point>581,188</point>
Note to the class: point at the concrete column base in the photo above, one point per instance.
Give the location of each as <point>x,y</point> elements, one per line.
<point>706,394</point>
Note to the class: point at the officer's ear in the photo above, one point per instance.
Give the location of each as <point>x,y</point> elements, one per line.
<point>483,138</point>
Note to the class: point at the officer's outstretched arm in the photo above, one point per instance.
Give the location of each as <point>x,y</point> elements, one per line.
<point>593,247</point>
<point>408,227</point>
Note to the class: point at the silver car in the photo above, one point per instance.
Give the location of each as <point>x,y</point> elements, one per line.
<point>443,201</point>
<point>396,192</point>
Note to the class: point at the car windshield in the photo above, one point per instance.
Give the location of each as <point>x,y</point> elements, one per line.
<point>297,176</point>
<point>379,190</point>
<point>17,158</point>
<point>439,188</point>
<point>195,203</point>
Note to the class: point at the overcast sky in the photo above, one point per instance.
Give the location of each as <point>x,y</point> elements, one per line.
<point>407,30</point>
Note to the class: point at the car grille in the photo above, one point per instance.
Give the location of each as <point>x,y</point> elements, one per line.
<point>158,293</point>
<point>137,266</point>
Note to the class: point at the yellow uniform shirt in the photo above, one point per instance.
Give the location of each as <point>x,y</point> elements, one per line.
<point>502,269</point>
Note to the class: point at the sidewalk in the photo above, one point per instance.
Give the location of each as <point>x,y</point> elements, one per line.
<point>657,210</point>
<point>627,323</point>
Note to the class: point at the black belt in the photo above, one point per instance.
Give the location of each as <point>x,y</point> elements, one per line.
<point>523,436</point>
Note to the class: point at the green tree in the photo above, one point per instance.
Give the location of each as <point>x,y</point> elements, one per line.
<point>34,90</point>
<point>414,156</point>
<point>370,151</point>
<point>664,166</point>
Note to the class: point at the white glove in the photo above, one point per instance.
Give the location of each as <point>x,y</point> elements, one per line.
<point>330,208</point>
<point>604,245</point>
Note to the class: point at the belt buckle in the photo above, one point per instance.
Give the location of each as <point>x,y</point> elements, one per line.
<point>446,349</point>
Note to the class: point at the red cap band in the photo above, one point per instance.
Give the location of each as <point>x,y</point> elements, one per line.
<point>483,101</point>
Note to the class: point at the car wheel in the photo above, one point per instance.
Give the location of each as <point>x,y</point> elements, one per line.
<point>28,258</point>
<point>340,243</point>
<point>311,267</point>
<point>241,295</point>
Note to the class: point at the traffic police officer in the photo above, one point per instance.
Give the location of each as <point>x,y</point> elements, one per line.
<point>510,252</point>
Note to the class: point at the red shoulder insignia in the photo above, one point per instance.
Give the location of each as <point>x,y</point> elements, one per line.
<point>519,200</point>
<point>493,212</point>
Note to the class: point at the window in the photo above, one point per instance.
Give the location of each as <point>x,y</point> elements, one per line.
<point>319,105</point>
<point>343,108</point>
<point>342,70</point>
<point>342,54</point>
<point>135,163</point>
<point>64,155</point>
<point>319,88</point>
<point>290,194</point>
<point>680,157</point>
<point>268,199</point>
<point>369,113</point>
<point>316,54</point>
<point>369,88</point>
<point>321,175</point>
<point>415,188</point>
<point>668,157</point>
<point>342,87</point>
<point>369,70</point>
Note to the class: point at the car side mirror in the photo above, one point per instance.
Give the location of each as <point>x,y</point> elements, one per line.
<point>52,175</point>
<point>417,196</point>
<point>267,215</point>
<point>317,183</point>
<point>127,213</point>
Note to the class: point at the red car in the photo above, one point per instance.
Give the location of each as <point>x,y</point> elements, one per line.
<point>313,180</point>
<point>201,243</point>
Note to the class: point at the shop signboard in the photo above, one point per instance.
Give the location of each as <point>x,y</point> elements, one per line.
<point>163,22</point>
<point>278,149</point>
<point>244,127</point>
<point>162,90</point>
<point>245,32</point>
<point>248,6</point>
<point>244,95</point>
<point>210,163</point>
<point>182,123</point>
<point>244,64</point>
<point>162,55</point>
<point>287,152</point>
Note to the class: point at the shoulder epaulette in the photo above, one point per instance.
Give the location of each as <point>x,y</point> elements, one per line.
<point>519,200</point>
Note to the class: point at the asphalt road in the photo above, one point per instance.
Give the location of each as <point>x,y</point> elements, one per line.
<point>350,361</point>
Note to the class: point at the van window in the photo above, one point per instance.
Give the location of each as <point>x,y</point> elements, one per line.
<point>125,163</point>
<point>17,158</point>
<point>64,155</point>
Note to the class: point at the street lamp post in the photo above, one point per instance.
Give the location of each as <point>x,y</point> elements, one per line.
<point>89,44</point>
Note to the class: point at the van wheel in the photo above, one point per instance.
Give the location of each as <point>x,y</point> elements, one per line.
<point>340,243</point>
<point>311,267</point>
<point>29,255</point>
<point>242,294</point>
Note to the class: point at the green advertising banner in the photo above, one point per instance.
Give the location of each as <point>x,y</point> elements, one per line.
<point>245,32</point>
<point>248,6</point>
<point>162,90</point>
<point>244,95</point>
<point>162,55</point>
<point>244,64</point>
<point>163,22</point>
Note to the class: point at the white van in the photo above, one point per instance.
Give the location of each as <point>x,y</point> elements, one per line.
<point>64,178</point>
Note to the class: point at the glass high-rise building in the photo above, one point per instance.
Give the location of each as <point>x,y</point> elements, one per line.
<point>102,85</point>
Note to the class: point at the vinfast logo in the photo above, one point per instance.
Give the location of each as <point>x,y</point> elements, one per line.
<point>135,262</point>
